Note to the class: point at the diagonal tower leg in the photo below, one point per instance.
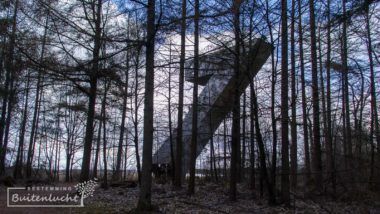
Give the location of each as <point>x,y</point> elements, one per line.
<point>215,99</point>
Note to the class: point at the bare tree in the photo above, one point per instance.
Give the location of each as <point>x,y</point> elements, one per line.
<point>285,188</point>
<point>375,129</point>
<point>8,99</point>
<point>93,80</point>
<point>144,202</point>
<point>194,128</point>
<point>235,144</point>
<point>293,123</point>
<point>179,145</point>
<point>317,159</point>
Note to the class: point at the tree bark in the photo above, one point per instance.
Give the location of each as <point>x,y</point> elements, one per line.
<point>304,102</point>
<point>285,189</point>
<point>235,144</point>
<point>104,121</point>
<point>329,139</point>
<point>135,122</point>
<point>117,175</point>
<point>273,100</point>
<point>179,146</point>
<point>36,104</point>
<point>194,128</point>
<point>170,118</point>
<point>8,97</point>
<point>93,79</point>
<point>144,202</point>
<point>242,164</point>
<point>317,160</point>
<point>375,129</point>
<point>20,157</point>
<point>293,124</point>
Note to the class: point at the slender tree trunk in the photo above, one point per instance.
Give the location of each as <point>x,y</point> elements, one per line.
<point>235,144</point>
<point>321,83</point>
<point>97,150</point>
<point>243,140</point>
<point>170,119</point>
<point>117,175</point>
<point>329,139</point>
<point>375,129</point>
<point>252,180</point>
<point>179,146</point>
<point>20,157</point>
<point>125,159</point>
<point>105,177</point>
<point>144,202</point>
<point>68,159</point>
<point>260,143</point>
<point>285,189</point>
<point>252,139</point>
<point>93,77</point>
<point>194,128</point>
<point>9,67</point>
<point>37,103</point>
<point>224,149</point>
<point>8,97</point>
<point>346,102</point>
<point>57,146</point>
<point>211,144</point>
<point>11,100</point>
<point>293,123</point>
<point>304,102</point>
<point>136,123</point>
<point>273,100</point>
<point>317,160</point>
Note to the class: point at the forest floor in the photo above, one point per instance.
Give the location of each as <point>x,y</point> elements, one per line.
<point>209,198</point>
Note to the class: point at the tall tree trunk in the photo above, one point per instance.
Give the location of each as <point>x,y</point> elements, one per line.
<point>104,121</point>
<point>68,157</point>
<point>346,102</point>
<point>9,67</point>
<point>135,122</point>
<point>10,103</point>
<point>97,150</point>
<point>224,148</point>
<point>293,123</point>
<point>242,176</point>
<point>375,129</point>
<point>252,181</point>
<point>329,139</point>
<point>273,100</point>
<point>8,97</point>
<point>144,202</point>
<point>20,153</point>
<point>260,143</point>
<point>235,144</point>
<point>304,102</point>
<point>117,175</point>
<point>194,125</point>
<point>317,160</point>
<point>57,146</point>
<point>36,104</point>
<point>172,160</point>
<point>213,173</point>
<point>285,189</point>
<point>252,139</point>
<point>321,83</point>
<point>93,78</point>
<point>179,146</point>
